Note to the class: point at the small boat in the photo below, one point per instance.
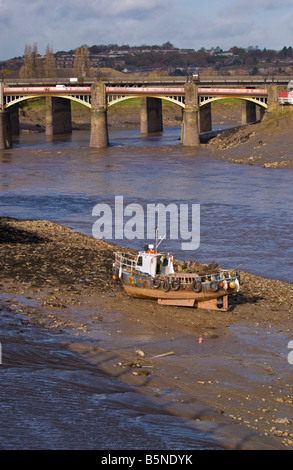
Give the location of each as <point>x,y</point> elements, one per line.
<point>150,274</point>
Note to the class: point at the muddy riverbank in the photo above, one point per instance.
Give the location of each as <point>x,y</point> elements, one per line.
<point>237,379</point>
<point>268,143</point>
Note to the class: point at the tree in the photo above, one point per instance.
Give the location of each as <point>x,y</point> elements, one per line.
<point>167,45</point>
<point>32,66</point>
<point>50,63</point>
<point>81,63</point>
<point>254,71</point>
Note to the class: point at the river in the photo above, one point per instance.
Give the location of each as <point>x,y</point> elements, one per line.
<point>245,211</point>
<point>53,399</point>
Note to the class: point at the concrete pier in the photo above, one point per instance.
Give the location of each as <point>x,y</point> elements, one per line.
<point>5,130</point>
<point>273,97</point>
<point>58,116</point>
<point>248,112</point>
<point>189,131</point>
<point>99,128</point>
<point>5,126</point>
<point>14,119</point>
<point>205,118</point>
<point>151,116</point>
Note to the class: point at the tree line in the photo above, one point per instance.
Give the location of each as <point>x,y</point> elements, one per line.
<point>162,57</point>
<point>34,66</point>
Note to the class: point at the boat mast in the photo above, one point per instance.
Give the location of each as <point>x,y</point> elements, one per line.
<point>160,238</point>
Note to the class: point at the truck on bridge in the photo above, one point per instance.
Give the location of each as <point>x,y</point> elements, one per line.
<point>286,97</point>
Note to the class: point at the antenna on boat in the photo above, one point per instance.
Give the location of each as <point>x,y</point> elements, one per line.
<point>157,230</point>
<point>160,238</point>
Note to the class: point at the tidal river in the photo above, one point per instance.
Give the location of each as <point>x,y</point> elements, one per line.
<point>245,211</point>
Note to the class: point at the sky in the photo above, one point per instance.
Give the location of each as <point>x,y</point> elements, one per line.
<point>193,24</point>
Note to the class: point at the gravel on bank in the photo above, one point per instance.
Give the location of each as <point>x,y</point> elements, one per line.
<point>40,253</point>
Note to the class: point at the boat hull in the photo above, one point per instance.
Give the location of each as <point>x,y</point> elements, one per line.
<point>208,291</point>
<point>205,300</point>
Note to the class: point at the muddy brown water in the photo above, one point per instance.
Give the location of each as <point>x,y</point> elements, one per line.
<point>52,398</point>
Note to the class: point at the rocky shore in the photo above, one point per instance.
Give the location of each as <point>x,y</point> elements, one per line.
<point>238,376</point>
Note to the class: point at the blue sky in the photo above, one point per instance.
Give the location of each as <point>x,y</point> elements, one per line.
<point>185,23</point>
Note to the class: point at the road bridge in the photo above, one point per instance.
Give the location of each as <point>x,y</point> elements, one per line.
<point>114,94</point>
<point>202,80</point>
<point>98,96</point>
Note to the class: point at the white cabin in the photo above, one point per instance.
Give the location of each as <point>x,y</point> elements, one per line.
<point>153,263</point>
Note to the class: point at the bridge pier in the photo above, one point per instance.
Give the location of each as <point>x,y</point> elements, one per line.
<point>5,127</point>
<point>5,130</point>
<point>151,116</point>
<point>14,120</point>
<point>58,116</point>
<point>189,130</point>
<point>205,118</point>
<point>273,97</point>
<point>248,112</point>
<point>99,127</point>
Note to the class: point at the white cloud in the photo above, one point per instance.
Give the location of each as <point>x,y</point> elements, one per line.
<point>249,7</point>
<point>187,23</point>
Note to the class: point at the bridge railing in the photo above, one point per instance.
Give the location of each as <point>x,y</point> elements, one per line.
<point>249,80</point>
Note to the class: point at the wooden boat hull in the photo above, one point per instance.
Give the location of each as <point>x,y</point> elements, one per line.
<point>205,300</point>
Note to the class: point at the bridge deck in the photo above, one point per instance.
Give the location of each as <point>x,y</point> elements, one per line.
<point>204,80</point>
<point>133,90</point>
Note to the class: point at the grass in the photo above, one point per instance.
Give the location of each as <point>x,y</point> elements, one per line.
<point>281,116</point>
<point>40,103</point>
<point>33,104</point>
<point>227,103</point>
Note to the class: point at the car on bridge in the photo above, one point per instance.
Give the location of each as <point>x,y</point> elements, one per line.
<point>286,97</point>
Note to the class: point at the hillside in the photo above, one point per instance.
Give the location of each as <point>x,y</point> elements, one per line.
<point>146,59</point>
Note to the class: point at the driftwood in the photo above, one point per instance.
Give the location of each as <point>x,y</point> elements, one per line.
<point>165,354</point>
<point>139,364</point>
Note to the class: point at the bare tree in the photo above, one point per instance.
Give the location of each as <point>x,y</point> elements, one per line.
<point>50,63</point>
<point>32,66</point>
<point>81,64</point>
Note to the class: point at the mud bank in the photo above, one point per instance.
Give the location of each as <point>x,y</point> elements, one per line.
<point>127,117</point>
<point>237,381</point>
<point>268,143</point>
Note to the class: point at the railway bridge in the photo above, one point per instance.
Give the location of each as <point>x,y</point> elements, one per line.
<point>195,101</point>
